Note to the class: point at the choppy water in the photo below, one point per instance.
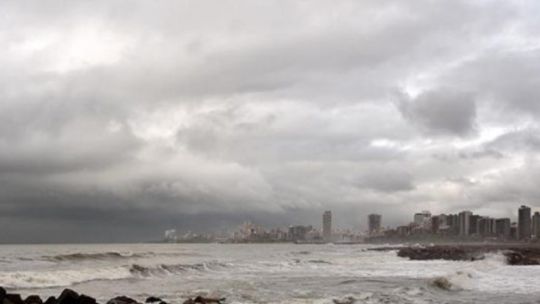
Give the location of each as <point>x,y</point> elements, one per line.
<point>261,273</point>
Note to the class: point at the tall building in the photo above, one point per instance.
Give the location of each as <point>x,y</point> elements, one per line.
<point>452,220</point>
<point>474,223</point>
<point>536,225</point>
<point>524,223</point>
<point>421,217</point>
<point>435,224</point>
<point>502,228</point>
<point>327,225</point>
<point>374,223</point>
<point>298,233</point>
<point>464,219</point>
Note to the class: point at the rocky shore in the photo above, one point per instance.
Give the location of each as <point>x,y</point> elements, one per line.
<point>69,296</point>
<point>515,254</point>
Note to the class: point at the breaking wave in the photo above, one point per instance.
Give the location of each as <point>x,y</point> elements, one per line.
<point>164,269</point>
<point>319,262</point>
<point>59,278</point>
<point>79,256</point>
<point>62,278</point>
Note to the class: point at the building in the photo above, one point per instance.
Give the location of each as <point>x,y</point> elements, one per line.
<point>298,233</point>
<point>421,217</point>
<point>403,231</point>
<point>170,236</point>
<point>374,223</point>
<point>524,223</point>
<point>464,219</point>
<point>474,223</point>
<point>487,227</point>
<point>502,228</point>
<point>435,224</point>
<point>513,231</point>
<point>536,225</point>
<point>327,225</point>
<point>452,221</point>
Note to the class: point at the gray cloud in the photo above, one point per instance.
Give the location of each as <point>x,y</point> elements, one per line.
<point>202,115</point>
<point>443,111</point>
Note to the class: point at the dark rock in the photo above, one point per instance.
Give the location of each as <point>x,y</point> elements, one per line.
<point>2,293</point>
<point>68,296</point>
<point>452,253</point>
<point>84,299</point>
<point>523,257</point>
<point>33,299</point>
<point>122,300</point>
<point>204,300</point>
<point>347,300</point>
<point>153,299</point>
<point>13,298</point>
<point>442,283</point>
<point>189,301</point>
<point>50,300</point>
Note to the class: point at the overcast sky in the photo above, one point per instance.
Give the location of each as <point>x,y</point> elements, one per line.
<point>119,119</point>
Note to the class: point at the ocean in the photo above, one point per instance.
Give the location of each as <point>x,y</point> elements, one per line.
<point>261,273</point>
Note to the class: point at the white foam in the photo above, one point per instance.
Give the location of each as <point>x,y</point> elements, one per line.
<point>58,278</point>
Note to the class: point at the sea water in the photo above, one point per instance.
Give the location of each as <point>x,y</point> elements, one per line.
<point>261,273</point>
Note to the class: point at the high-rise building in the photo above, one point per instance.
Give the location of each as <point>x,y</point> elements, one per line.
<point>421,217</point>
<point>327,225</point>
<point>374,223</point>
<point>435,224</point>
<point>488,226</point>
<point>464,223</point>
<point>524,223</point>
<point>536,225</point>
<point>298,233</point>
<point>474,222</point>
<point>452,220</point>
<point>483,228</point>
<point>502,228</point>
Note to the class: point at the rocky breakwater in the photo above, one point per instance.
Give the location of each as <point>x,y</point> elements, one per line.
<point>515,255</point>
<point>69,296</point>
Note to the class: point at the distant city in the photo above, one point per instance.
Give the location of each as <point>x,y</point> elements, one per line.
<point>463,226</point>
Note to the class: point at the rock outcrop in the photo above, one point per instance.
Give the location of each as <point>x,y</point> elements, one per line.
<point>69,296</point>
<point>515,255</point>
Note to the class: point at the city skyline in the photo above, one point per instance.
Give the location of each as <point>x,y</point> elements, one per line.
<point>462,225</point>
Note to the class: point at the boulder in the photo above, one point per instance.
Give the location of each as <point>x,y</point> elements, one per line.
<point>203,300</point>
<point>84,299</point>
<point>442,283</point>
<point>2,293</point>
<point>13,298</point>
<point>50,300</point>
<point>33,299</point>
<point>153,299</point>
<point>452,253</point>
<point>122,300</point>
<point>346,300</point>
<point>523,257</point>
<point>68,296</point>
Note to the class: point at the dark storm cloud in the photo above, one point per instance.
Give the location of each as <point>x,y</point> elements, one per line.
<point>119,119</point>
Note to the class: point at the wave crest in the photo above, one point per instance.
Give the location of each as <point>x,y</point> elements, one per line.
<point>79,256</point>
<point>167,269</point>
<point>59,278</point>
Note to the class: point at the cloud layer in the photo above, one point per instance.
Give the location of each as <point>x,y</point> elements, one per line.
<point>119,119</point>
